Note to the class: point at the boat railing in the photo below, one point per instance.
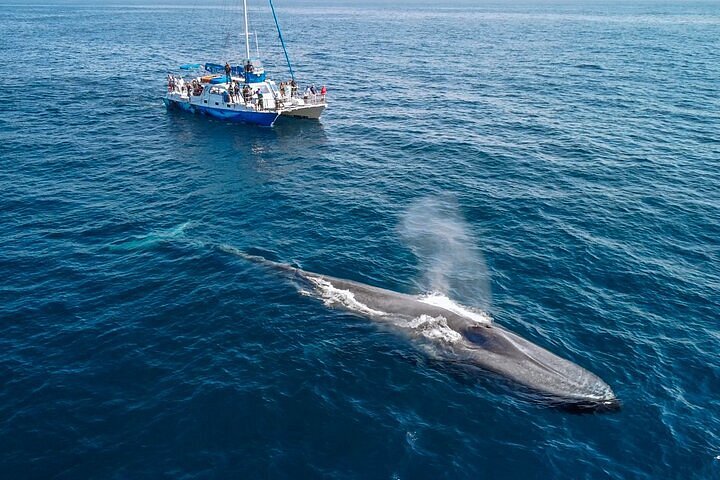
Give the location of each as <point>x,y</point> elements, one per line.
<point>314,99</point>
<point>310,99</point>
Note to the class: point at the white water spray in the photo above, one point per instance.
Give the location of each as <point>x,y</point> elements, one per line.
<point>332,296</point>
<point>432,328</point>
<point>438,235</point>
<point>440,300</point>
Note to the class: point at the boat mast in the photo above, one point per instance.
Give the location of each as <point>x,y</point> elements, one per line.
<point>247,33</point>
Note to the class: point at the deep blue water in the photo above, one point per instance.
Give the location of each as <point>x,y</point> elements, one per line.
<point>575,147</point>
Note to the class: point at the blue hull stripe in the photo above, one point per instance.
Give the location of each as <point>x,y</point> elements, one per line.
<point>264,119</point>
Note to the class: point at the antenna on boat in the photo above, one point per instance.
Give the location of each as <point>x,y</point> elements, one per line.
<point>247,33</point>
<point>282,42</point>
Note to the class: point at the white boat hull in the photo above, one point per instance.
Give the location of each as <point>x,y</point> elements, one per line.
<point>304,111</point>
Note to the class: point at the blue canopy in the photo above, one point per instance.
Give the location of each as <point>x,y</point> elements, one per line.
<point>255,78</point>
<point>217,68</point>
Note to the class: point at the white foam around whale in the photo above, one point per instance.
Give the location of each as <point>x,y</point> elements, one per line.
<point>435,328</point>
<point>440,300</point>
<point>333,296</point>
<point>432,328</point>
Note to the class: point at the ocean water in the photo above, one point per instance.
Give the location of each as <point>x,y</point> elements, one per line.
<point>553,165</point>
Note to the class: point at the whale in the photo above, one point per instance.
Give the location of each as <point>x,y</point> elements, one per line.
<point>461,336</point>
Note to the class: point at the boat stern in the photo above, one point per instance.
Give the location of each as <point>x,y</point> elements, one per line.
<point>304,111</point>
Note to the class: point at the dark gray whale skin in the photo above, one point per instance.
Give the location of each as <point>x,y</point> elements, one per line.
<point>549,378</point>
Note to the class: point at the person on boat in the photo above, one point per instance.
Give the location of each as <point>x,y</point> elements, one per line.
<point>260,104</point>
<point>323,92</point>
<point>249,67</point>
<point>293,87</point>
<point>228,71</point>
<point>312,89</point>
<point>246,93</point>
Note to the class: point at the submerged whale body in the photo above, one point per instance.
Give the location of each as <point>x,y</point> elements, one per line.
<point>463,337</point>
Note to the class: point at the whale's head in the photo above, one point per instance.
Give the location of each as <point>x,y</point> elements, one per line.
<point>547,378</point>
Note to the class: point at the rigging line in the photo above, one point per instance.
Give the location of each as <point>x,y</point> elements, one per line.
<point>282,42</point>
<point>229,26</point>
<point>224,12</point>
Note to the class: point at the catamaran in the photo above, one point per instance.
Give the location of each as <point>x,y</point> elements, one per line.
<point>243,93</point>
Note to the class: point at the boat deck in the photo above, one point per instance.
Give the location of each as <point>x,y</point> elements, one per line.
<point>225,98</point>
